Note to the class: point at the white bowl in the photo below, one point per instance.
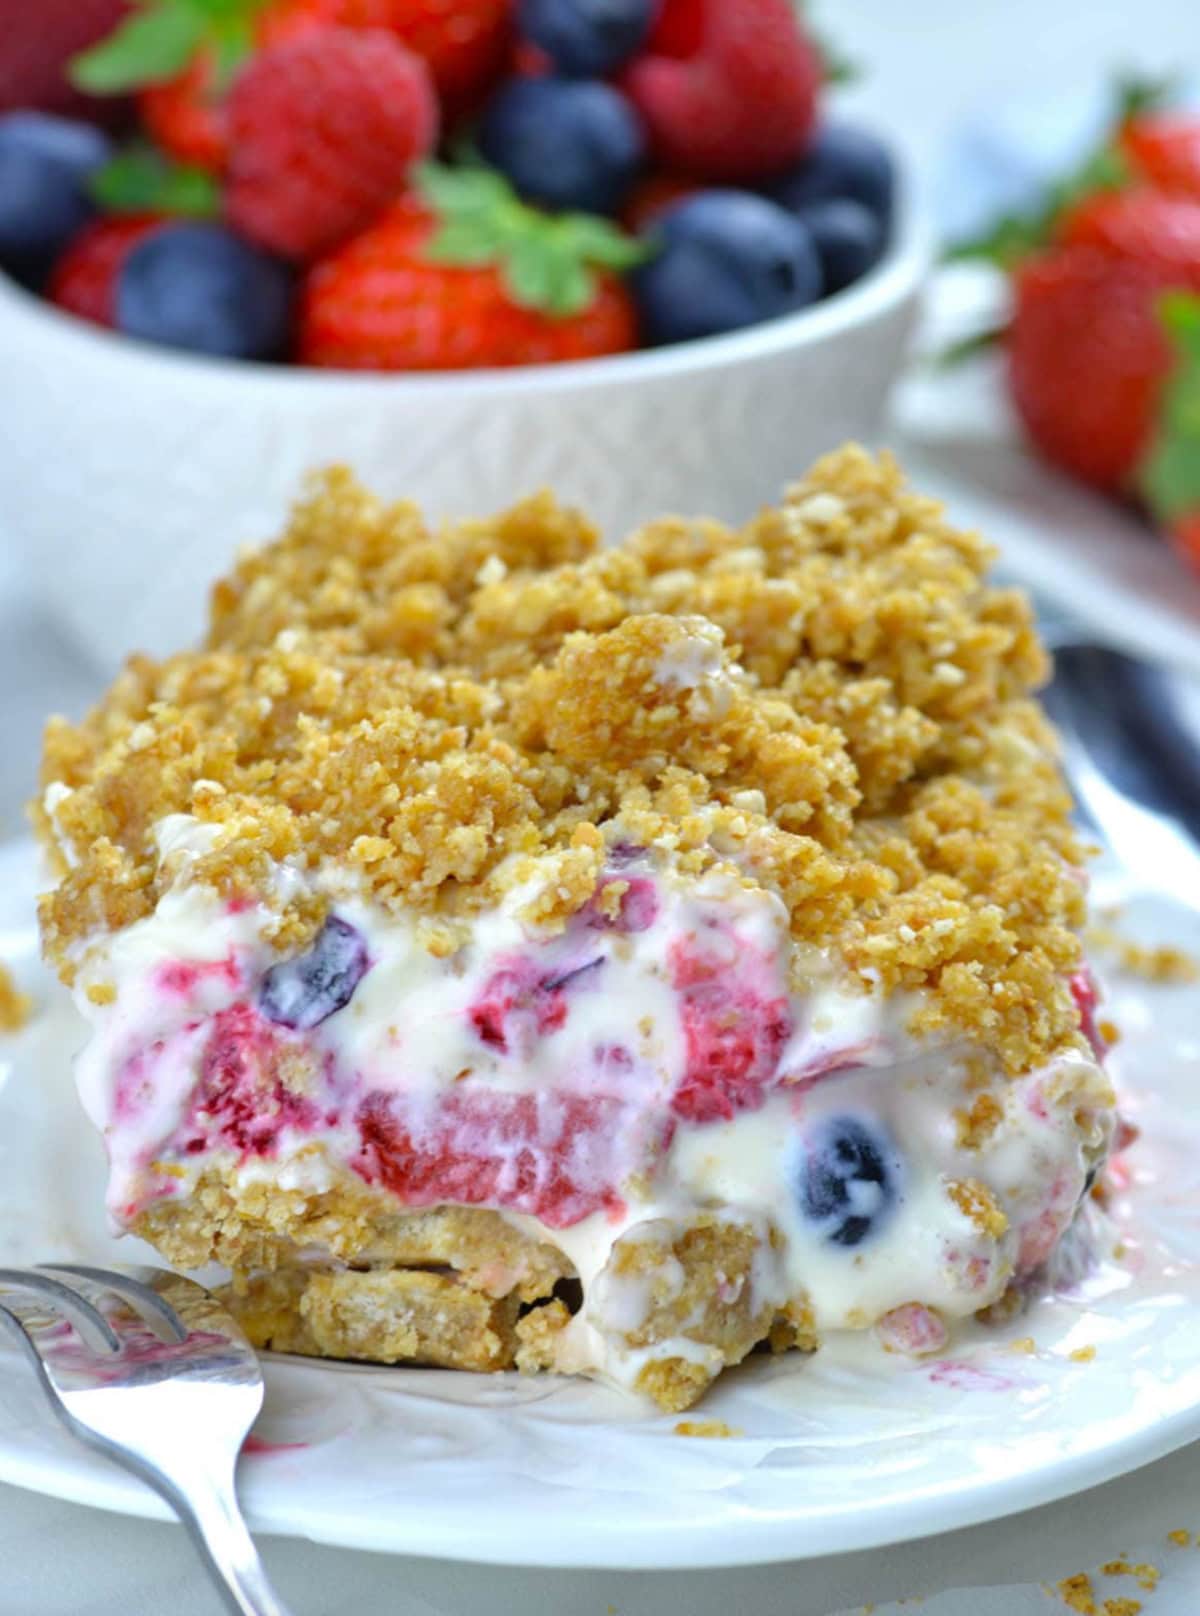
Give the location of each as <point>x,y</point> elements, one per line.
<point>131,473</point>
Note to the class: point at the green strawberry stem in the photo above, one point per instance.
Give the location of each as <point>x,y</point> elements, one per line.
<point>1170,476</point>
<point>141,180</point>
<point>547,261</point>
<point>1015,235</point>
<point>160,38</point>
<point>983,341</point>
<point>836,67</point>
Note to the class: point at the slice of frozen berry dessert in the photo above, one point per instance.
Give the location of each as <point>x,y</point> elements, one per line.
<point>501,950</point>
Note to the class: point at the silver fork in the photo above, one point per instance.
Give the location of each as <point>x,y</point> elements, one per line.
<point>149,1369</point>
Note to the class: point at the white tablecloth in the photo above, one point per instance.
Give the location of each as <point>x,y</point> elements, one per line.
<point>930,63</point>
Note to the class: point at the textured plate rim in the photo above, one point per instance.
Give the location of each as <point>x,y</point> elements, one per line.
<point>754,1538</point>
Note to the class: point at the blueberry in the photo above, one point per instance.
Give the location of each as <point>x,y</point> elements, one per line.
<point>849,240</point>
<point>847,1177</point>
<point>45,164</point>
<point>301,993</point>
<point>197,286</point>
<point>586,38</point>
<point>842,164</point>
<point>726,259</point>
<point>564,143</point>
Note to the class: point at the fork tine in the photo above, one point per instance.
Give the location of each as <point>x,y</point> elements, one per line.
<point>139,1296</point>
<point>173,1414</point>
<point>77,1310</point>
<point>20,1329</point>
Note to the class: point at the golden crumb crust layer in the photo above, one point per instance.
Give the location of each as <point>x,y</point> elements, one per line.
<point>831,698</point>
<point>346,1273</point>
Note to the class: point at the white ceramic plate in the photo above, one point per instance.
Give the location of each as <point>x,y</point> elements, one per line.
<point>847,1450</point>
<point>957,438</point>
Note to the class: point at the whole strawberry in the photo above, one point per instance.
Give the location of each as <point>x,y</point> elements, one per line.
<point>323,129</point>
<point>1153,227</point>
<point>461,275</point>
<point>1086,360</point>
<point>727,88</point>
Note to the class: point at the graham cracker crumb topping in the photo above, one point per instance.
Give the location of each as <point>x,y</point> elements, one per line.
<point>830,701</point>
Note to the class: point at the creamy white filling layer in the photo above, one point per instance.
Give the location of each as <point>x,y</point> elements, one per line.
<point>655,1061</point>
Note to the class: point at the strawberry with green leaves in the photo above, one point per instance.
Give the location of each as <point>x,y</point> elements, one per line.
<point>1087,354</point>
<point>315,129</point>
<point>1105,382</point>
<point>181,57</point>
<point>459,273</point>
<point>1170,476</point>
<point>1086,360</point>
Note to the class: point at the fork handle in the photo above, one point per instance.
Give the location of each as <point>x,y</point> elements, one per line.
<point>212,1515</point>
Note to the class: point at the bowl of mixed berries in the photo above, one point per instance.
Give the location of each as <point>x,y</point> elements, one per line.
<point>472,246</point>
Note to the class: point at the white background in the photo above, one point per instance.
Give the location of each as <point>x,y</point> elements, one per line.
<point>931,63</point>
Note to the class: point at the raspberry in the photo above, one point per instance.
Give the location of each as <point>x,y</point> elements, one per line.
<point>39,41</point>
<point>323,129</point>
<point>186,977</point>
<point>654,195</point>
<point>464,42</point>
<point>520,1004</point>
<point>734,1035</point>
<point>727,89</point>
<point>241,1101</point>
<point>559,1157</point>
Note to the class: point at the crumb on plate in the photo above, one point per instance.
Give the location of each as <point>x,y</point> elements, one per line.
<point>707,1428</point>
<point>1163,962</point>
<point>15,1007</point>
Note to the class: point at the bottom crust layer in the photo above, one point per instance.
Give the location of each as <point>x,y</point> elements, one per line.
<point>343,1274</point>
